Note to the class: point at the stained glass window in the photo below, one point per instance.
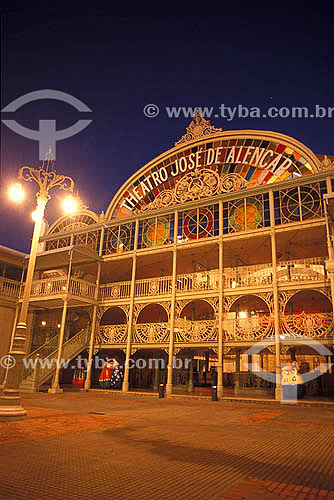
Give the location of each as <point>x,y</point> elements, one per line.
<point>119,239</point>
<point>198,223</point>
<point>156,231</point>
<point>299,204</point>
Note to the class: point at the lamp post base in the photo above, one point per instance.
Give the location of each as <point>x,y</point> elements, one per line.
<point>12,413</point>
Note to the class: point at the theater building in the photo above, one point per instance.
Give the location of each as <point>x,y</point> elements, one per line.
<point>222,241</point>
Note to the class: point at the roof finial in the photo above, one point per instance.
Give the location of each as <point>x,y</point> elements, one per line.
<point>198,127</point>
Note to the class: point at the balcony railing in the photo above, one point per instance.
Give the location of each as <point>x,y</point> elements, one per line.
<point>200,281</point>
<point>119,290</point>
<point>315,325</point>
<point>57,286</point>
<point>82,288</point>
<point>287,271</point>
<point>155,333</point>
<point>153,286</point>
<point>258,327</point>
<point>240,277</point>
<point>237,277</point>
<point>9,288</point>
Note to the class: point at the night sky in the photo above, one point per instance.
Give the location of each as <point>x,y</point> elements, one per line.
<point>117,62</point>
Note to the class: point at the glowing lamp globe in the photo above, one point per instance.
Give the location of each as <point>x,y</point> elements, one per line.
<point>16,193</point>
<point>70,205</point>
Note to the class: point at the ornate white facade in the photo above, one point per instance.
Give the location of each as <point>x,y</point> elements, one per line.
<point>222,241</point>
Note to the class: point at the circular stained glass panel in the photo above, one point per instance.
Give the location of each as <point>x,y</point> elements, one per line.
<point>249,218</point>
<point>119,240</point>
<point>198,224</point>
<point>156,232</point>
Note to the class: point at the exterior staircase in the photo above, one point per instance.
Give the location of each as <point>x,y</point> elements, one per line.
<point>44,359</point>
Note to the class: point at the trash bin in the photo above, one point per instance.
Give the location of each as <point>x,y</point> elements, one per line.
<point>214,395</point>
<point>161,391</point>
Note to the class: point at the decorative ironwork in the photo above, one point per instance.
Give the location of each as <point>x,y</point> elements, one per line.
<point>139,307</point>
<point>179,306</point>
<point>46,177</point>
<point>268,298</point>
<point>315,325</point>
<point>214,302</point>
<point>232,182</point>
<point>148,333</point>
<point>48,353</point>
<point>200,183</point>
<point>229,301</point>
<point>195,331</point>
<point>254,328</point>
<point>284,348</point>
<point>198,127</point>
<point>70,223</point>
<point>326,163</point>
<point>112,334</point>
<point>162,200</point>
<point>285,297</point>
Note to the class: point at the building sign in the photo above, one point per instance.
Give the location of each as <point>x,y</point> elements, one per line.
<point>211,168</point>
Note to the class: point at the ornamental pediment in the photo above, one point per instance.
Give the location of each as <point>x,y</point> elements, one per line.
<point>207,162</point>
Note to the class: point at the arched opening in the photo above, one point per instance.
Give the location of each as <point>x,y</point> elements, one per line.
<point>113,316</point>
<point>113,327</point>
<point>250,321</point>
<point>248,306</point>
<point>309,314</point>
<point>153,313</point>
<point>308,301</point>
<point>198,310</point>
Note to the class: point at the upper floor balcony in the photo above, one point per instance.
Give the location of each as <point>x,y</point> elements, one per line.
<point>241,277</point>
<point>235,279</point>
<point>9,288</point>
<point>58,286</point>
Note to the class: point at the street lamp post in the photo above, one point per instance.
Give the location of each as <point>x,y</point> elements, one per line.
<point>10,399</point>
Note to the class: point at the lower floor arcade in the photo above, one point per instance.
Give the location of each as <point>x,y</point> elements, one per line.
<point>248,319</point>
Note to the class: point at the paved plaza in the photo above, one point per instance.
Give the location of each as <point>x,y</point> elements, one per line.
<point>97,445</point>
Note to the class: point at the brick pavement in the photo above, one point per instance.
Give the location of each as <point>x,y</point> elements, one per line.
<point>93,446</point>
